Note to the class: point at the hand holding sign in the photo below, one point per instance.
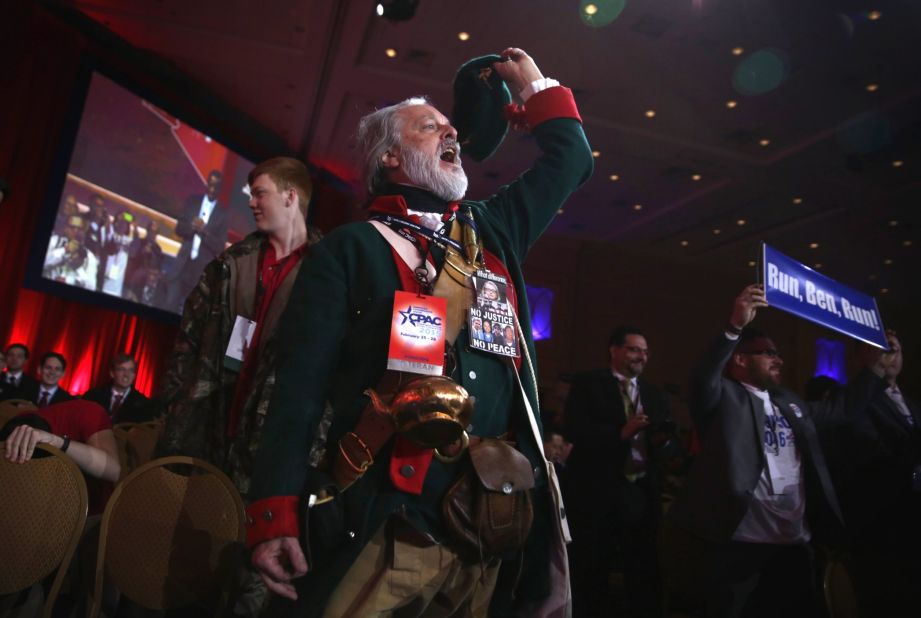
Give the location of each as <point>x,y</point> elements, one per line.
<point>746,306</point>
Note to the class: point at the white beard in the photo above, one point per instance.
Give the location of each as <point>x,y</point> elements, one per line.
<point>426,172</point>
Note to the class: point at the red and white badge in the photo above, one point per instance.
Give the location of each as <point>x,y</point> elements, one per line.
<point>417,334</point>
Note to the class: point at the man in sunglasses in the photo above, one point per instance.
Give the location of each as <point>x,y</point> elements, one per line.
<point>759,490</point>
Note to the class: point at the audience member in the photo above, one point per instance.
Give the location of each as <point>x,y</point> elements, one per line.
<point>47,391</point>
<point>68,259</point>
<point>203,229</point>
<point>615,421</point>
<point>98,235</point>
<point>119,398</point>
<point>4,190</point>
<point>759,489</point>
<point>820,388</point>
<point>879,460</point>
<point>79,428</point>
<point>122,235</point>
<point>144,251</point>
<point>21,384</point>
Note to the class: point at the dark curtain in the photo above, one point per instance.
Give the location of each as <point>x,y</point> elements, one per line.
<point>40,62</point>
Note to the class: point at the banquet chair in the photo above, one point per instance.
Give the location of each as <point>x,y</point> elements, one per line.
<point>136,443</point>
<point>13,407</point>
<point>43,505</point>
<point>171,536</point>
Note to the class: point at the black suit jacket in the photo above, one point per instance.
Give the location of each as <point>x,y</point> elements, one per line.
<point>33,390</point>
<point>730,423</point>
<point>213,237</point>
<point>135,408</point>
<point>26,384</point>
<point>874,458</point>
<point>594,417</point>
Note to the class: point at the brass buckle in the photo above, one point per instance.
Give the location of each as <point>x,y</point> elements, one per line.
<point>465,442</point>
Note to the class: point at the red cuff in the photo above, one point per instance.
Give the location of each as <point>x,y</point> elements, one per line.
<point>271,518</point>
<point>555,102</point>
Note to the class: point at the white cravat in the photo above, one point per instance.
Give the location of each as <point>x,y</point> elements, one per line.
<point>204,213</point>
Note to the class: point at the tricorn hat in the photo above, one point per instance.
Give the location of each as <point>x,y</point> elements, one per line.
<point>479,98</point>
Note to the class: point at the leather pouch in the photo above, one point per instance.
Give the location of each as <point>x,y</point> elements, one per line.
<point>322,520</point>
<point>488,510</point>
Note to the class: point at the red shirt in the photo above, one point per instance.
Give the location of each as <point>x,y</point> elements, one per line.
<point>79,420</point>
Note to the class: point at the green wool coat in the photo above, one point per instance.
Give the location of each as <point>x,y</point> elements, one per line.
<point>333,343</point>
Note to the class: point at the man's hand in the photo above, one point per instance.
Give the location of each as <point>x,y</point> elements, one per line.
<point>746,305</point>
<point>20,445</point>
<point>518,70</point>
<point>636,424</point>
<point>198,224</point>
<point>278,562</point>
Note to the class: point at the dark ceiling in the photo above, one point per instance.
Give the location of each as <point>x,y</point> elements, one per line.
<point>820,145</point>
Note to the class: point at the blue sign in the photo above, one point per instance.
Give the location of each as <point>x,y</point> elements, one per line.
<point>799,290</point>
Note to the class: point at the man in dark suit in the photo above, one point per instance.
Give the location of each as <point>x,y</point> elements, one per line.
<point>616,422</point>
<point>879,460</point>
<point>15,380</point>
<point>119,398</point>
<point>46,391</point>
<point>759,489</point>
<point>203,228</point>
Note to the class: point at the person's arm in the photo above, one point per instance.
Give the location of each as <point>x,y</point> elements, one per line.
<point>524,208</point>
<point>707,380</point>
<point>189,213</point>
<point>214,236</point>
<point>98,457</point>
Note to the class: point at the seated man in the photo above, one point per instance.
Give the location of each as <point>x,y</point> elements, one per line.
<point>16,381</point>
<point>79,428</point>
<point>122,401</point>
<point>47,391</point>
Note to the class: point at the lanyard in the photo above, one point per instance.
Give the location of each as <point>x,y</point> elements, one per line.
<point>399,223</point>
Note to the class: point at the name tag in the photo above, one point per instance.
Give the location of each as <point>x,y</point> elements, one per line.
<point>417,334</point>
<point>490,321</point>
<point>240,339</point>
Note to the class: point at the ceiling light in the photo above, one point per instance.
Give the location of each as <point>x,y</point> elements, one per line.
<point>717,231</point>
<point>752,263</point>
<point>874,15</point>
<point>391,52</point>
<point>872,277</point>
<point>884,290</point>
<point>741,222</point>
<point>898,163</point>
<point>463,36</point>
<point>695,177</point>
<point>813,245</point>
<point>614,177</point>
<point>560,211</point>
<point>650,113</point>
<point>637,207</point>
<point>888,261</point>
<point>684,243</point>
<point>731,104</point>
<point>738,51</point>
<point>906,243</point>
<point>817,265</point>
<point>590,9</point>
<point>764,142</point>
<point>893,223</point>
<point>797,200</point>
<point>596,153</point>
<point>397,10</point>
<point>872,87</point>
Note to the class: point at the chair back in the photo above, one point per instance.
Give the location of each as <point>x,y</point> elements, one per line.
<point>136,443</point>
<point>171,536</point>
<point>13,407</point>
<point>838,589</point>
<point>43,506</point>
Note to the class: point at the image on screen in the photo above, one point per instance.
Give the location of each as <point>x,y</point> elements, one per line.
<point>147,202</point>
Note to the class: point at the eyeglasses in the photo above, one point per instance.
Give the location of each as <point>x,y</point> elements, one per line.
<point>769,352</point>
<point>636,350</point>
